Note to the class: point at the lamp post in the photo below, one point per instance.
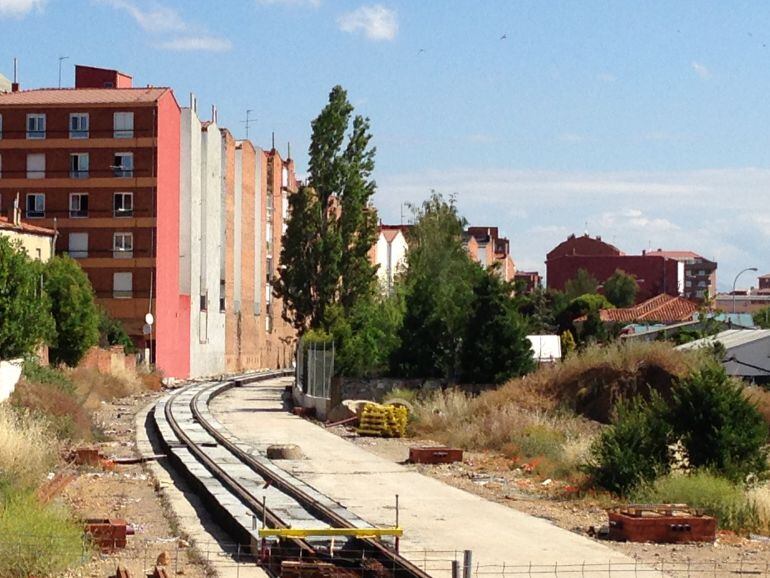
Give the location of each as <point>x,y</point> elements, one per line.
<point>736,280</point>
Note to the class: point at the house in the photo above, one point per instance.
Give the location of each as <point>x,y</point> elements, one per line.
<point>37,241</point>
<point>389,253</point>
<point>747,352</point>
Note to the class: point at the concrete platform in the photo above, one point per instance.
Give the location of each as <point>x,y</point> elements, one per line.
<point>440,521</point>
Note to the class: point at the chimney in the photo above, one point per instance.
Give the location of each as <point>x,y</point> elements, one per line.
<point>214,113</point>
<point>193,103</point>
<point>15,83</point>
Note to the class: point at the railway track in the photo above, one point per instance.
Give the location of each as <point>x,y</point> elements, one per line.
<point>244,491</point>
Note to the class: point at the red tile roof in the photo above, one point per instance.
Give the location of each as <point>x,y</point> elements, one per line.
<point>47,96</point>
<point>659,309</point>
<point>7,225</point>
<point>678,255</point>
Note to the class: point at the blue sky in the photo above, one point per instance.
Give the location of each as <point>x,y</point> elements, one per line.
<point>649,122</point>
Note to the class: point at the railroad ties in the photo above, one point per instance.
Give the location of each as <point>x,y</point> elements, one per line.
<point>246,492</point>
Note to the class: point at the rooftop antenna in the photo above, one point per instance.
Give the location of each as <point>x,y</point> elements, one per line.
<point>273,140</point>
<point>248,121</point>
<point>585,231</point>
<point>61,59</point>
<point>288,151</point>
<point>15,70</point>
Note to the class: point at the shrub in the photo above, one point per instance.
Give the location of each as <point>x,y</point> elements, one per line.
<point>728,502</point>
<point>37,540</point>
<point>633,450</point>
<point>46,375</point>
<point>720,429</point>
<point>25,310</point>
<point>112,332</point>
<point>27,450</point>
<point>73,309</point>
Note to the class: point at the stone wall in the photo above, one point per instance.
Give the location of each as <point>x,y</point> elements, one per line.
<point>378,388</point>
<point>111,360</point>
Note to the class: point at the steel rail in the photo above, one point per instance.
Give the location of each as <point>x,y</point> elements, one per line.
<point>400,565</point>
<point>237,488</point>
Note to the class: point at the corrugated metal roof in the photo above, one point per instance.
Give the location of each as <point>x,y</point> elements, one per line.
<point>48,96</point>
<point>730,338</point>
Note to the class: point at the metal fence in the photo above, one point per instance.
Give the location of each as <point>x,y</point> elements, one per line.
<point>315,367</point>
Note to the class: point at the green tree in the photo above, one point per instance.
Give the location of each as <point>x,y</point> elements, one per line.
<point>73,309</point>
<point>621,289</point>
<point>762,318</point>
<point>495,347</point>
<point>332,224</point>
<point>112,332</point>
<point>25,309</point>
<point>582,283</point>
<point>720,429</point>
<point>541,309</point>
<point>438,284</point>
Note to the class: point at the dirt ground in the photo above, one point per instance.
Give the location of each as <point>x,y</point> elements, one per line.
<point>128,492</point>
<point>499,479</point>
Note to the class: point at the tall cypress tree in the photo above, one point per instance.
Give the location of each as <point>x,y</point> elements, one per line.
<point>332,225</point>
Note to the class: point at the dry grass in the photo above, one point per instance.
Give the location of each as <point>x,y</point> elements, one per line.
<point>593,382</point>
<point>92,387</point>
<point>761,398</point>
<point>760,496</point>
<point>27,449</point>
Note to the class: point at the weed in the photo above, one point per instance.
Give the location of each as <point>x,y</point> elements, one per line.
<point>729,503</point>
<point>45,375</point>
<point>36,539</point>
<point>26,449</point>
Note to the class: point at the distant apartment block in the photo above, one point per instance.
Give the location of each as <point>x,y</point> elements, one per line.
<point>655,274</point>
<point>700,274</point>
<point>485,246</point>
<point>528,280</point>
<point>167,214</point>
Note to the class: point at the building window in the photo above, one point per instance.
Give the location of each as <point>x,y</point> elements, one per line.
<point>78,205</point>
<point>35,205</point>
<point>123,204</point>
<point>122,245</point>
<point>123,164</point>
<point>78,245</point>
<point>122,285</point>
<point>79,125</point>
<point>79,165</point>
<point>123,125</point>
<point>35,126</point>
<point>36,166</point>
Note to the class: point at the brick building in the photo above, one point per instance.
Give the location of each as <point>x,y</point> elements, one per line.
<point>700,274</point>
<point>655,274</point>
<point>101,163</point>
<point>529,280</point>
<point>166,213</point>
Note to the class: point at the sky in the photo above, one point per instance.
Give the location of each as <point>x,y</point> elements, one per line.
<point>645,123</point>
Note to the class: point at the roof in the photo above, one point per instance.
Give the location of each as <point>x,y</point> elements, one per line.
<point>730,338</point>
<point>48,96</point>
<point>678,255</point>
<point>765,276</point>
<point>661,308</point>
<point>7,225</point>
<point>545,347</point>
<point>391,234</point>
<point>583,246</point>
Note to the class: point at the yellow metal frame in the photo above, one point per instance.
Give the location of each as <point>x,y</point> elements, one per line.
<point>306,532</point>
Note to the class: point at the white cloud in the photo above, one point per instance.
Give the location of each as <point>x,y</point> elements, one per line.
<point>720,213</point>
<point>202,43</point>
<point>19,8</point>
<point>701,70</point>
<point>311,3</point>
<point>376,22</point>
<point>154,18</point>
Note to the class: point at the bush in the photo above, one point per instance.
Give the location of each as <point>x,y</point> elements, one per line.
<point>73,310</point>
<point>112,332</point>
<point>720,429</point>
<point>728,502</point>
<point>36,539</point>
<point>25,310</point>
<point>46,375</point>
<point>633,450</point>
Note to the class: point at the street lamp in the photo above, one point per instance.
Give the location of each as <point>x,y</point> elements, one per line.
<point>736,280</point>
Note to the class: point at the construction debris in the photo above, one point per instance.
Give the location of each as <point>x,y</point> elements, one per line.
<point>435,455</point>
<point>108,534</point>
<point>660,523</point>
<point>383,420</point>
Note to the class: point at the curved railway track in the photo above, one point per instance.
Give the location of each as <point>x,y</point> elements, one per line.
<point>225,471</point>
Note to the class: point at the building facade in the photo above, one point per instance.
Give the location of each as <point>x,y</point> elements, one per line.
<point>700,274</point>
<point>655,274</point>
<point>389,254</point>
<point>168,214</point>
<point>102,164</point>
<point>488,248</point>
<point>38,242</point>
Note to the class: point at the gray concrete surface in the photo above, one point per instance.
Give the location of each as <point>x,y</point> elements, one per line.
<point>439,520</point>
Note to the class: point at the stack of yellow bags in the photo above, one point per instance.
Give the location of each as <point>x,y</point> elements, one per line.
<point>383,420</point>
